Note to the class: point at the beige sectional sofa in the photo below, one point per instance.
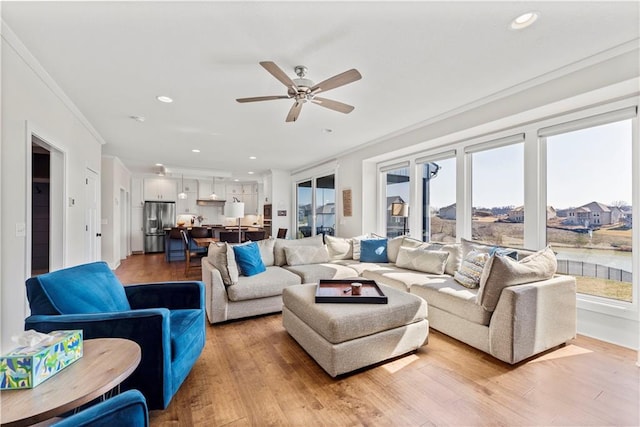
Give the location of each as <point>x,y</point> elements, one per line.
<point>519,309</point>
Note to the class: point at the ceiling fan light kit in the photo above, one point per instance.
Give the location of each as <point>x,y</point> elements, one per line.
<point>303,90</point>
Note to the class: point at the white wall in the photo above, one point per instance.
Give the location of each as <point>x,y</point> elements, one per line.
<point>30,98</point>
<point>114,177</point>
<point>281,200</point>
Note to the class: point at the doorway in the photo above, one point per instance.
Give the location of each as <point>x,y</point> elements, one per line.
<point>40,209</point>
<point>45,247</point>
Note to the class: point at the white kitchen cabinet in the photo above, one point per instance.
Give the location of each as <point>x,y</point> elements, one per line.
<point>137,198</point>
<point>188,205</point>
<point>160,189</point>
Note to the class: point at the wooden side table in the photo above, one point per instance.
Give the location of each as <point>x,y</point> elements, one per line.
<point>105,363</point>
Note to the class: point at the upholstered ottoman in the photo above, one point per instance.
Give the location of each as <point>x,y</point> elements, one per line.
<point>344,337</point>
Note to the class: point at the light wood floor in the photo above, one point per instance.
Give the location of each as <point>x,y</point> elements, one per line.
<point>252,372</point>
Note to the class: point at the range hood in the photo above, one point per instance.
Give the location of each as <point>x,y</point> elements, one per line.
<point>210,202</point>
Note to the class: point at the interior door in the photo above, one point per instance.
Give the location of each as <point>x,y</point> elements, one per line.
<point>92,224</point>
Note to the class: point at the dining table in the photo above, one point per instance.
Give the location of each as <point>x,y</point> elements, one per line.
<point>204,242</point>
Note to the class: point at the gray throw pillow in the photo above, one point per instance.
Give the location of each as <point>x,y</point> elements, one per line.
<point>422,260</point>
<point>280,257</point>
<point>221,256</point>
<point>339,247</point>
<point>303,255</point>
<point>503,271</point>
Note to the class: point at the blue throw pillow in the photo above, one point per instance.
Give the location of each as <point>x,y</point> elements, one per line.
<point>498,251</point>
<point>248,259</point>
<point>373,250</point>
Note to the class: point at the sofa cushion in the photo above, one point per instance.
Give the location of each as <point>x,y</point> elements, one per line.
<point>312,273</point>
<point>301,255</point>
<point>422,260</point>
<point>266,247</point>
<point>471,269</point>
<point>281,258</point>
<point>448,295</point>
<point>266,284</point>
<point>339,247</point>
<point>361,267</point>
<point>503,271</point>
<point>373,250</point>
<point>222,257</point>
<point>185,328</point>
<point>248,259</point>
<point>398,278</point>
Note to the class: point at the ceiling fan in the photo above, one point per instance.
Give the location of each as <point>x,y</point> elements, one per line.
<point>303,90</point>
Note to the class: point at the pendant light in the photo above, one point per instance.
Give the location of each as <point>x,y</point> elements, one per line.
<point>213,196</point>
<point>182,195</point>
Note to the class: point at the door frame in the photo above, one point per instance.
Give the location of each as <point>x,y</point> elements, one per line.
<point>58,195</point>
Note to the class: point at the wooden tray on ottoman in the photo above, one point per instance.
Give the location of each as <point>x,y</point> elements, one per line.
<point>339,291</point>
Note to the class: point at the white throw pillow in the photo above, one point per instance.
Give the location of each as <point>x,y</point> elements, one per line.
<point>422,260</point>
<point>221,256</point>
<point>301,255</point>
<point>356,245</point>
<point>280,257</point>
<point>266,247</point>
<point>339,247</point>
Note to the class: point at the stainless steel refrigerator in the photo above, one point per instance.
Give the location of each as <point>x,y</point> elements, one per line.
<point>157,216</point>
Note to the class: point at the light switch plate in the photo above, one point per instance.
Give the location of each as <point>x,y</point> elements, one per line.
<point>21,229</point>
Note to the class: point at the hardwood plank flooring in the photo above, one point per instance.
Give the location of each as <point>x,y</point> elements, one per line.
<point>252,373</point>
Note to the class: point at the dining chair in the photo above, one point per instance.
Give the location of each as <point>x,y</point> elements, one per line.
<point>190,254</point>
<point>174,245</point>
<point>254,236</point>
<point>197,232</point>
<point>229,237</point>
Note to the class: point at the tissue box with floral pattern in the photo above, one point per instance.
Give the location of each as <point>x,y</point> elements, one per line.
<point>26,367</point>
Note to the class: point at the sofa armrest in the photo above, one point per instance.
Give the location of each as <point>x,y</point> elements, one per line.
<point>150,329</point>
<point>216,298</point>
<point>171,295</point>
<point>532,318</point>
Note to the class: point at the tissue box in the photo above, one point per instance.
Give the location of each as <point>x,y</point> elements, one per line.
<point>26,367</point>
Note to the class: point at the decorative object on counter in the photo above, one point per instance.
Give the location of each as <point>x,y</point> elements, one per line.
<point>182,195</point>
<point>235,209</point>
<point>29,365</point>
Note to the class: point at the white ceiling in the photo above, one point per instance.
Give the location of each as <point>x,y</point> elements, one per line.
<point>417,59</point>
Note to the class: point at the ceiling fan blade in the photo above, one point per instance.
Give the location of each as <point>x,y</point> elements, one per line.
<point>277,72</point>
<point>333,105</point>
<point>341,79</point>
<point>261,98</point>
<point>294,112</point>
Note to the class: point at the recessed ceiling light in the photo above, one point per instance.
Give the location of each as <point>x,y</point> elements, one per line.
<point>159,164</point>
<point>195,150</point>
<point>327,130</point>
<point>236,180</point>
<point>524,20</point>
<point>165,99</point>
<point>252,157</point>
<point>250,172</point>
<point>137,118</point>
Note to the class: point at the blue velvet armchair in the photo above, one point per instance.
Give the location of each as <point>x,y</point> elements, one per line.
<point>166,319</point>
<point>128,409</point>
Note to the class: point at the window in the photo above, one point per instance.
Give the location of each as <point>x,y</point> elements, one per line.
<point>439,200</point>
<point>316,202</point>
<point>498,195</point>
<point>589,220</point>
<point>397,201</point>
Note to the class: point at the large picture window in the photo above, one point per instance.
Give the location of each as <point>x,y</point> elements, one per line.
<point>589,219</point>
<point>439,200</point>
<point>497,190</point>
<point>397,201</point>
<point>316,202</point>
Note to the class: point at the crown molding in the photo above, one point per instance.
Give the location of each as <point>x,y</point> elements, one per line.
<point>21,50</point>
